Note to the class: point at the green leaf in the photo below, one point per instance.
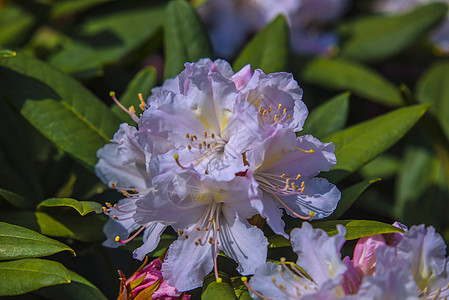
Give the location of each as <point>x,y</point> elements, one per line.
<point>432,88</point>
<point>356,229</point>
<point>218,290</point>
<point>142,83</point>
<point>7,53</point>
<point>78,288</point>
<point>16,24</point>
<point>377,37</point>
<point>83,207</point>
<point>240,289</point>
<point>328,118</point>
<point>14,199</point>
<point>276,241</point>
<point>343,74</point>
<point>384,166</point>
<point>58,106</point>
<point>19,242</point>
<point>349,195</point>
<point>59,224</point>
<point>71,7</point>
<point>185,37</point>
<point>269,49</point>
<point>26,275</point>
<point>359,144</point>
<point>109,35</point>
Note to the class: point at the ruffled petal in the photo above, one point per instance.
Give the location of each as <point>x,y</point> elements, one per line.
<point>151,238</point>
<point>242,77</point>
<point>186,264</point>
<point>123,229</point>
<point>319,254</point>
<point>244,243</point>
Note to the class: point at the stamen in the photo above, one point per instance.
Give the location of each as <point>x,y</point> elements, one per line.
<point>176,157</point>
<point>117,238</point>
<point>305,151</point>
<point>132,115</point>
<point>142,104</point>
<point>292,211</point>
<point>279,106</point>
<point>187,135</point>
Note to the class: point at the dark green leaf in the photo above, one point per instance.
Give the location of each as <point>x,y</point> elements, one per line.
<point>342,74</point>
<point>268,50</point>
<point>18,242</point>
<point>349,195</point>
<point>26,275</point>
<point>377,37</point>
<point>185,37</point>
<point>70,7</point>
<point>276,241</point>
<point>240,289</point>
<point>433,88</point>
<point>15,23</point>
<point>78,289</point>
<point>14,199</point>
<point>83,207</point>
<point>356,228</point>
<point>328,118</point>
<point>142,83</point>
<point>58,106</point>
<point>213,290</point>
<point>359,144</point>
<point>108,36</point>
<point>59,224</point>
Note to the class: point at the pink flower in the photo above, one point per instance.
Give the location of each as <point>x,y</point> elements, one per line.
<point>147,283</point>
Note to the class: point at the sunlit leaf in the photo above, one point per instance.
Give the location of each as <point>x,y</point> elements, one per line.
<point>356,228</point>
<point>218,290</point>
<point>26,275</point>
<point>78,288</point>
<point>268,50</point>
<point>328,118</point>
<point>185,37</point>
<point>19,242</point>
<point>83,207</point>
<point>376,37</point>
<point>359,144</point>
<point>58,106</point>
<point>343,74</point>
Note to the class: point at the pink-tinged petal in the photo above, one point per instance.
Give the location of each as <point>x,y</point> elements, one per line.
<point>351,280</point>
<point>393,239</point>
<point>151,238</point>
<point>242,77</point>
<point>365,254</point>
<point>425,250</point>
<point>244,243</point>
<point>186,264</point>
<point>319,254</point>
<point>319,199</point>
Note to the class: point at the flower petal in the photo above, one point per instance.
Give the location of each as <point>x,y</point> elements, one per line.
<point>151,238</point>
<point>124,228</point>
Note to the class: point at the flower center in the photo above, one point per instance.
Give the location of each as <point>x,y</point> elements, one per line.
<point>270,115</point>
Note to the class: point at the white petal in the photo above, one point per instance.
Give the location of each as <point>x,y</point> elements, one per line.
<point>151,238</point>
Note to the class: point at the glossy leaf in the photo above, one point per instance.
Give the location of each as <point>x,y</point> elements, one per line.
<point>218,290</point>
<point>83,207</point>
<point>14,199</point>
<point>142,83</point>
<point>356,228</point>
<point>26,275</point>
<point>268,50</point>
<point>19,242</point>
<point>109,36</point>
<point>377,37</point>
<point>61,224</point>
<point>343,74</point>
<point>58,106</point>
<point>384,166</point>
<point>328,118</point>
<point>78,288</point>
<point>185,37</point>
<point>359,144</point>
<point>433,89</point>
<point>349,196</point>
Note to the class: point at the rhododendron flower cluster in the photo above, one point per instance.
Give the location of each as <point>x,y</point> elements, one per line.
<point>410,265</point>
<point>212,149</point>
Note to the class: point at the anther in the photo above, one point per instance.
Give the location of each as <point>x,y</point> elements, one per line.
<point>212,135</point>
<point>210,240</point>
<point>108,204</point>
<point>302,190</point>
<point>176,157</point>
<point>279,106</point>
<point>179,232</point>
<point>283,176</point>
<point>117,238</point>
<point>132,109</point>
<point>311,213</point>
<point>116,206</point>
<point>142,103</point>
<point>189,147</point>
<point>197,228</point>
<point>196,244</point>
<point>115,217</point>
<point>205,134</point>
<point>206,229</point>
<point>187,135</point>
<point>187,236</point>
<point>113,185</point>
<point>219,280</point>
<point>105,210</point>
<point>284,111</point>
<point>270,109</point>
<point>303,184</point>
<point>298,176</point>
